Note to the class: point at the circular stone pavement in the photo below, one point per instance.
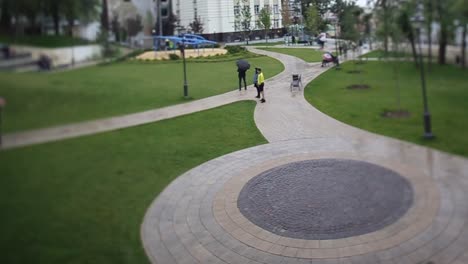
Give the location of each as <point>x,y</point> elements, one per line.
<point>325,199</point>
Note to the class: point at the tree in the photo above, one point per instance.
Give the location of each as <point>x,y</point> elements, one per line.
<point>168,25</point>
<point>243,20</point>
<point>285,14</point>
<point>265,20</point>
<point>197,26</point>
<point>368,28</point>
<point>460,8</point>
<point>5,16</point>
<point>134,25</point>
<point>429,14</point>
<point>313,20</point>
<point>445,19</point>
<point>115,26</point>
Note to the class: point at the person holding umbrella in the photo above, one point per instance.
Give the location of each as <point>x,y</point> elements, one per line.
<point>242,67</point>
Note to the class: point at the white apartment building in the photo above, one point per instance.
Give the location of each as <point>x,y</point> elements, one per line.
<point>218,16</point>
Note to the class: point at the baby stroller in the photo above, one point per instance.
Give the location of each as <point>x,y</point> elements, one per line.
<point>329,58</point>
<point>296,82</point>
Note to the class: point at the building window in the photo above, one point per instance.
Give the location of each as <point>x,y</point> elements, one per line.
<point>275,23</point>
<point>275,9</point>
<point>256,9</point>
<point>236,10</point>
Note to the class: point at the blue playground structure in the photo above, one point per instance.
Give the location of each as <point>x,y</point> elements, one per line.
<point>195,41</point>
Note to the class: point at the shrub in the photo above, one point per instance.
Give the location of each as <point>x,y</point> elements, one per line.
<point>235,49</point>
<point>173,56</point>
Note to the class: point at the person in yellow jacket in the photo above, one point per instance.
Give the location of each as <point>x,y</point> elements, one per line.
<point>261,84</point>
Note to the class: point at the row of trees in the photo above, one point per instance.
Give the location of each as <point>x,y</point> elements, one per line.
<point>34,12</point>
<point>396,26</point>
<point>393,21</point>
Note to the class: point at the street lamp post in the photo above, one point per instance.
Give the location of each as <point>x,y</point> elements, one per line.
<point>182,50</point>
<point>2,105</point>
<point>337,65</point>
<point>417,21</point>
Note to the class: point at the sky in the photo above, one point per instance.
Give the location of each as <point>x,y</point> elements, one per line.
<point>361,2</point>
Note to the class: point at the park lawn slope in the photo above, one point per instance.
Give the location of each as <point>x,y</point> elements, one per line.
<point>83,200</point>
<point>306,54</point>
<point>37,100</point>
<point>447,98</point>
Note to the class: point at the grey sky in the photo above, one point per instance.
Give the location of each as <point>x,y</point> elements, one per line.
<point>361,2</point>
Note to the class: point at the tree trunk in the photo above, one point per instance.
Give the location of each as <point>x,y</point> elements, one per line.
<point>105,16</point>
<point>429,49</point>
<point>5,20</point>
<point>463,50</point>
<point>443,44</point>
<point>56,17</point>
<point>71,23</point>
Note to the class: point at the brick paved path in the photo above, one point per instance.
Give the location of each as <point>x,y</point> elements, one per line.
<point>196,219</point>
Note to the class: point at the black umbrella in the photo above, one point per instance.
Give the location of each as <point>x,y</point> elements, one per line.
<point>243,65</point>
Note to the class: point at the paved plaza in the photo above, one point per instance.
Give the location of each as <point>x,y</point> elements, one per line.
<point>319,192</point>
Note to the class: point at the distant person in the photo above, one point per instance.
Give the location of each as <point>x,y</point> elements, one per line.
<point>255,81</point>
<point>293,40</point>
<point>261,84</point>
<point>5,50</point>
<point>167,42</point>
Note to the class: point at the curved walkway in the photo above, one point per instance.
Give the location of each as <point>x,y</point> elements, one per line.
<point>196,219</point>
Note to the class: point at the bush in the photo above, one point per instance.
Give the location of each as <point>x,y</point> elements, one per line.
<point>235,49</point>
<point>173,56</point>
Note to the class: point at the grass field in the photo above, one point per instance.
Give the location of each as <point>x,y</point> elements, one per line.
<point>306,54</point>
<point>391,54</point>
<point>83,200</point>
<point>447,97</point>
<point>40,99</point>
<point>267,43</point>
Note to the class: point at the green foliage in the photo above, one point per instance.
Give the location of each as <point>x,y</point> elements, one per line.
<point>197,26</point>
<point>264,19</point>
<point>235,49</point>
<point>173,56</point>
<point>446,90</point>
<point>83,200</point>
<point>313,20</point>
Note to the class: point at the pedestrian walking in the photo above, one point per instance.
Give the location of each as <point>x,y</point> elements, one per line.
<point>261,84</point>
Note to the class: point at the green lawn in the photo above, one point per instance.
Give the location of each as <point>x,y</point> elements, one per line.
<point>83,200</point>
<point>44,41</point>
<point>39,100</point>
<point>447,97</point>
<point>306,54</point>
<point>391,54</point>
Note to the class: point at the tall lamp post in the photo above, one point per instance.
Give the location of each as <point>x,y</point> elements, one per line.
<point>337,67</point>
<point>2,105</point>
<point>182,50</point>
<point>418,22</point>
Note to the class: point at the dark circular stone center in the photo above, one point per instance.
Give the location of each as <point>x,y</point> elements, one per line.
<point>325,199</point>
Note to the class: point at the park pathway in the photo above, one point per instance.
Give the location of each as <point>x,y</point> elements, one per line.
<point>198,219</point>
